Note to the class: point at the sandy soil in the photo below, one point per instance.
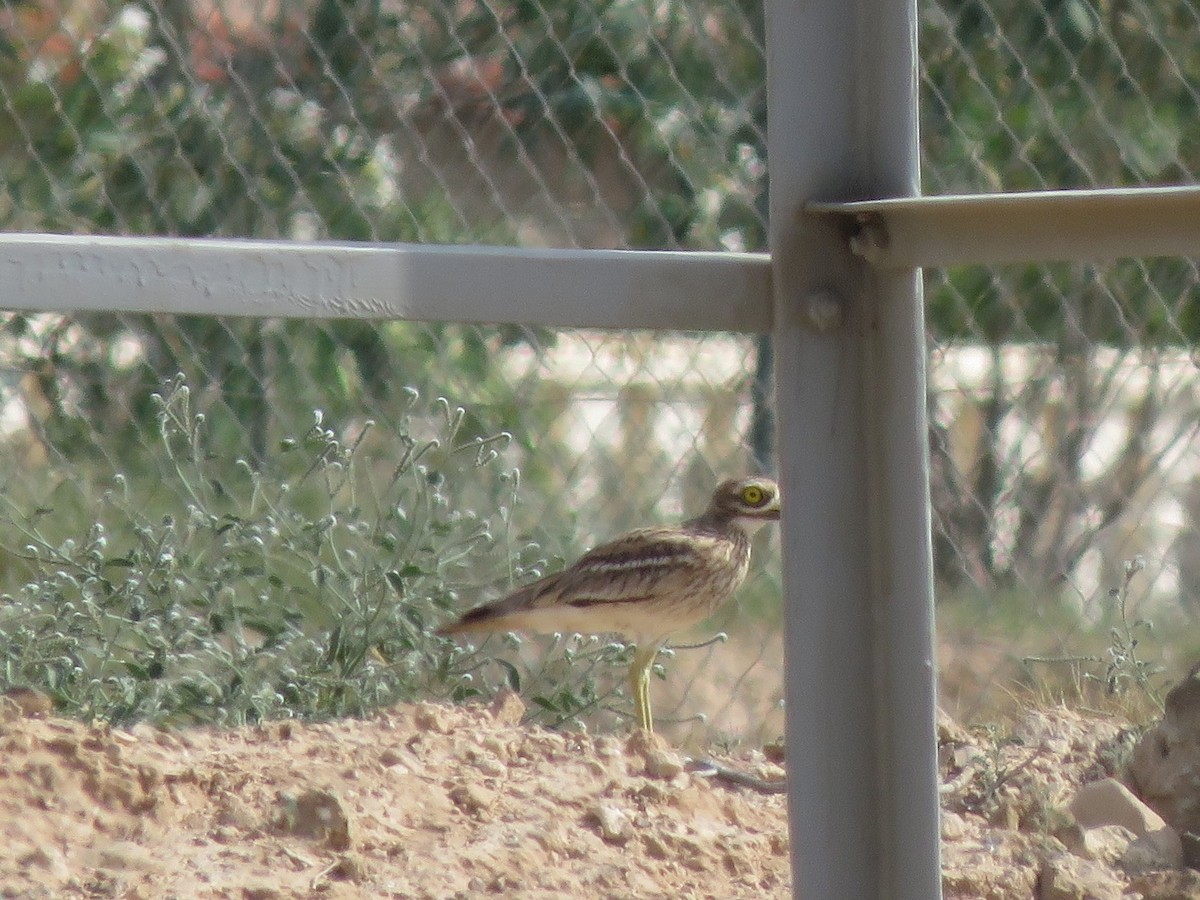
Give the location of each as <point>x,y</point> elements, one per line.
<point>421,801</point>
<point>432,801</point>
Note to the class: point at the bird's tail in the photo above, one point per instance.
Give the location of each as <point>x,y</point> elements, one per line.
<point>476,620</point>
<point>492,616</point>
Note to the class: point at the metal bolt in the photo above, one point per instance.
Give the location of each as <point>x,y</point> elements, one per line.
<point>870,240</point>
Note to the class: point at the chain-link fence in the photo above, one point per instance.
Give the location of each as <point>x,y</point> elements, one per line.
<point>1063,398</point>
<point>551,124</point>
<point>1060,396</point>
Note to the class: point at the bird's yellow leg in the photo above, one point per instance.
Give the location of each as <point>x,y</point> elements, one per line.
<point>639,683</point>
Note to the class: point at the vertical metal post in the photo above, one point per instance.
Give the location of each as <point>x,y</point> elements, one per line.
<point>853,454</point>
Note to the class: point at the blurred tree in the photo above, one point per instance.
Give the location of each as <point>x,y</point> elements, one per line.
<point>1065,94</point>
<point>578,124</point>
<point>324,121</point>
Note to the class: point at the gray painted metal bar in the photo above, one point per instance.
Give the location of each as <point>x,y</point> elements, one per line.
<point>1042,226</point>
<point>564,288</point>
<point>857,559</point>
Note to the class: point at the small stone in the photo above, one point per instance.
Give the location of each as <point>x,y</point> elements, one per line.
<point>389,759</point>
<point>614,824</point>
<point>26,702</point>
<point>663,764</point>
<point>431,717</point>
<point>1182,884</point>
<point>508,708</point>
<point>954,826</point>
<point>1107,843</point>
<point>949,731</point>
<point>1160,849</point>
<point>47,858</point>
<point>234,812</point>
<point>660,760</point>
<point>1068,877</point>
<point>317,814</point>
<point>348,868</point>
<point>1072,836</point>
<point>472,798</point>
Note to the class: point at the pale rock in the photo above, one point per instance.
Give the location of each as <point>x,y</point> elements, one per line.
<point>1072,836</point>
<point>472,798</point>
<point>660,760</point>
<point>49,859</point>
<point>18,701</point>
<point>1107,843</point>
<point>1164,769</point>
<point>614,824</point>
<point>1048,732</point>
<point>949,731</point>
<point>433,718</point>
<point>317,814</point>
<point>1007,813</point>
<point>1109,802</point>
<point>508,708</point>
<point>1068,877</point>
<point>1182,884</point>
<point>663,764</point>
<point>954,826</point>
<point>1160,849</point>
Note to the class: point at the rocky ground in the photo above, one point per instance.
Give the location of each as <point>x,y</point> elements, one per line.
<point>433,801</point>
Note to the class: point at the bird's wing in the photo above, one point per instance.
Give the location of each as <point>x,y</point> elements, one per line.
<point>639,566</point>
<point>642,566</point>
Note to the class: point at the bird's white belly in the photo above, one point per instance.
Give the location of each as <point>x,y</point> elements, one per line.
<point>623,618</point>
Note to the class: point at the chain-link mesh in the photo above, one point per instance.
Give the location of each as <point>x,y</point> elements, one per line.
<point>1061,397</point>
<point>538,123</point>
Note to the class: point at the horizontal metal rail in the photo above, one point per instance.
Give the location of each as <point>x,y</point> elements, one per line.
<point>1041,226</point>
<point>689,291</point>
<point>554,288</point>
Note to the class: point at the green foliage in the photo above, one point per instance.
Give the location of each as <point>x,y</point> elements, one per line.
<point>1064,94</point>
<point>124,135</point>
<point>1125,667</point>
<point>1122,669</point>
<point>306,589</point>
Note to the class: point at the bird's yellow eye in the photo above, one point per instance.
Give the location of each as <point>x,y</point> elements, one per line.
<point>753,495</point>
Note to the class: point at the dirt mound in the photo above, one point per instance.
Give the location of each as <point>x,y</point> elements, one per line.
<point>435,801</point>
<point>420,801</point>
